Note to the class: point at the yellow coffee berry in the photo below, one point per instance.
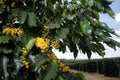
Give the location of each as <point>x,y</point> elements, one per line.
<point>44,67</point>
<point>43,44</point>
<point>24,58</point>
<point>1,2</point>
<point>13,31</point>
<point>62,64</point>
<point>26,63</point>
<point>56,44</point>
<point>27,66</point>
<point>45,27</point>
<point>15,18</point>
<point>66,69</point>
<point>6,31</point>
<point>24,51</point>
<point>23,62</point>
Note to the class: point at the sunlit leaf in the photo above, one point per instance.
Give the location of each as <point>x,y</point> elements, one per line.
<point>30,44</point>
<point>85,27</point>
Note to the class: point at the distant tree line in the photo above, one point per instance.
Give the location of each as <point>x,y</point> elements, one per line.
<point>108,66</point>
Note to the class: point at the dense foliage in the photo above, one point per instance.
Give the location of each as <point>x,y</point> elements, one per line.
<point>30,29</point>
<point>107,66</point>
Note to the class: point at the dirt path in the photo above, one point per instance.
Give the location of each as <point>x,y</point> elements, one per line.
<point>95,76</point>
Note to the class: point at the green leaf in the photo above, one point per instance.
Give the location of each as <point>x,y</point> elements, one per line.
<point>1,63</point>
<point>69,17</point>
<point>1,8</point>
<point>59,78</point>
<point>83,1</point>
<point>45,2</point>
<point>46,18</point>
<point>4,39</point>
<point>116,43</point>
<point>5,62</point>
<point>32,19</point>
<point>40,59</point>
<point>25,39</point>
<point>51,71</point>
<point>73,48</point>
<point>107,2</point>
<point>91,3</point>
<point>7,51</point>
<point>96,15</point>
<point>30,44</point>
<point>75,53</point>
<point>14,13</point>
<point>109,11</point>
<point>18,64</point>
<point>111,44</point>
<point>79,76</point>
<point>109,30</point>
<point>100,52</point>
<point>89,53</point>
<point>101,46</point>
<point>62,33</point>
<point>17,50</point>
<point>22,16</point>
<point>63,48</point>
<point>85,27</point>
<point>3,67</point>
<point>96,48</point>
<point>54,25</point>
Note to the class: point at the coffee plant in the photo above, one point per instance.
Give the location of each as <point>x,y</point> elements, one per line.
<point>31,29</point>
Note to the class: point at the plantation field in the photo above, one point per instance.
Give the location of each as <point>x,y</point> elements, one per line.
<point>97,69</point>
<point>95,76</point>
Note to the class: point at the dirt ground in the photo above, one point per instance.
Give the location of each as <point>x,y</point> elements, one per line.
<point>96,76</point>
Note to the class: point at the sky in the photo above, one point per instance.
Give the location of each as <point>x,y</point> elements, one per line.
<point>113,24</point>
